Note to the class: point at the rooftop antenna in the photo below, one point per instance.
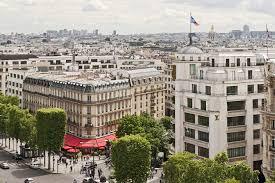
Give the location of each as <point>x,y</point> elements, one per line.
<point>190,33</point>
<point>73,52</point>
<point>267,37</point>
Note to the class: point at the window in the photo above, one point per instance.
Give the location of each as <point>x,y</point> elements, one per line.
<point>189,147</point>
<point>255,103</point>
<point>249,74</point>
<point>194,88</point>
<point>203,105</point>
<point>238,61</point>
<point>192,69</point>
<point>236,152</point>
<point>263,102</point>
<point>203,136</point>
<point>273,124</point>
<point>203,152</point>
<point>256,119</point>
<point>273,163</point>
<point>189,118</point>
<point>204,121</point>
<point>190,133</point>
<point>250,89</point>
<point>236,136</point>
<point>189,102</point>
<point>260,88</point>
<point>236,121</point>
<point>256,134</point>
<point>89,98</point>
<point>273,142</point>
<point>256,149</point>
<point>232,90</point>
<point>89,109</point>
<point>208,90</point>
<point>227,63</point>
<point>248,62</point>
<point>237,105</point>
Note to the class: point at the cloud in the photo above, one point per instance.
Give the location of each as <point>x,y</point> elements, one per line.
<point>26,2</point>
<point>94,5</point>
<point>206,3</point>
<point>3,4</point>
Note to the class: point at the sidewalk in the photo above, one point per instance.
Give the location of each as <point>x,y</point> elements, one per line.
<point>55,167</point>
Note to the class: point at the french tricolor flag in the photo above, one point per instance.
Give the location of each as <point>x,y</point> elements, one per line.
<point>193,21</point>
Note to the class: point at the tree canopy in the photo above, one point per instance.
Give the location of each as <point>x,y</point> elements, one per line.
<point>51,123</point>
<point>146,126</point>
<point>189,168</point>
<point>131,157</point>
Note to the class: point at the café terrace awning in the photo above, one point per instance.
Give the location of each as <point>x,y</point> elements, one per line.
<point>77,142</point>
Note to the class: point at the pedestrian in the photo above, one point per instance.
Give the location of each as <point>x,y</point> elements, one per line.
<point>75,181</point>
<point>71,168</point>
<point>93,173</point>
<point>99,172</point>
<point>66,164</point>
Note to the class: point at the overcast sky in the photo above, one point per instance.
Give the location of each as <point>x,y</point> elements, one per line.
<point>134,16</point>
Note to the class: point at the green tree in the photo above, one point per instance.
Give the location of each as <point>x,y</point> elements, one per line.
<point>147,127</point>
<point>166,122</point>
<point>27,132</point>
<point>12,100</point>
<point>131,159</point>
<point>242,172</point>
<point>51,123</point>
<point>187,167</point>
<point>4,123</point>
<point>16,117</point>
<point>231,181</point>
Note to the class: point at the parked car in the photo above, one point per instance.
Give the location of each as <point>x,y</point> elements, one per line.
<point>35,165</point>
<point>88,180</point>
<point>29,180</point>
<point>4,165</point>
<point>17,157</point>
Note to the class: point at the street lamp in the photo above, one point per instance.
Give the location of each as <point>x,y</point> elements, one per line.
<point>53,162</point>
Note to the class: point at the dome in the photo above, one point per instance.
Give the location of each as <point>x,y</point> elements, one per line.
<point>190,50</point>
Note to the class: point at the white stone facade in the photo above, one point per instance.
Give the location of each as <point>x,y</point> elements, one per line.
<point>218,100</point>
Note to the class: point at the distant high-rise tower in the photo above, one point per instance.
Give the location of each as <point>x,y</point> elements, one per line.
<point>246,29</point>
<point>211,34</point>
<point>96,32</point>
<point>114,33</point>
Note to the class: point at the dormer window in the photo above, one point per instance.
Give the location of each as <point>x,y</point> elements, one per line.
<point>191,58</point>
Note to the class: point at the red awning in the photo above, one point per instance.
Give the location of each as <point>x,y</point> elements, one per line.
<point>73,141</point>
<point>73,150</point>
<point>67,147</point>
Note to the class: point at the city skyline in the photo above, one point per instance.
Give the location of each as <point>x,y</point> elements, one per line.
<point>131,17</point>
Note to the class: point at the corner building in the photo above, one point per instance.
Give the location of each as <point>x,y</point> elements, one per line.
<point>218,96</point>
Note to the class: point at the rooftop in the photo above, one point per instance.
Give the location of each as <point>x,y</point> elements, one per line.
<point>79,78</point>
<point>16,56</point>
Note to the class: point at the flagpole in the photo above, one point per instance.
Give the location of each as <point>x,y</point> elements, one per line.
<point>190,23</point>
<point>267,41</point>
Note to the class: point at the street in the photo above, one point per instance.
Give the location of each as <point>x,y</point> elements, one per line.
<point>19,172</point>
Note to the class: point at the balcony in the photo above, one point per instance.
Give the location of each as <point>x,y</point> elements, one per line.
<point>240,158</point>
<point>236,113</point>
<point>239,128</point>
<point>272,149</point>
<point>236,144</point>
